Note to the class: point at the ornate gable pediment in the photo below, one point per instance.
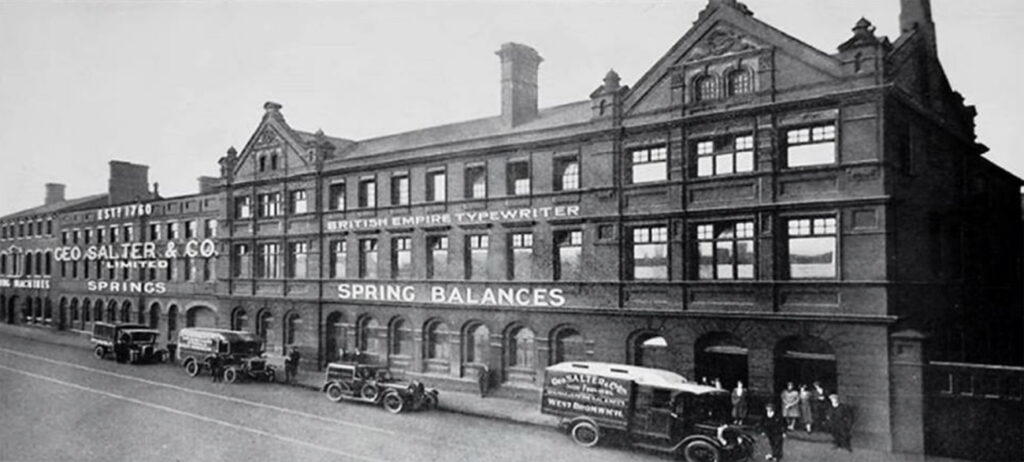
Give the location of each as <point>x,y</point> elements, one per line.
<point>267,136</point>
<point>721,41</point>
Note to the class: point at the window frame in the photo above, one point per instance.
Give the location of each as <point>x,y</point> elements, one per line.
<point>644,156</point>
<point>824,222</point>
<point>829,135</point>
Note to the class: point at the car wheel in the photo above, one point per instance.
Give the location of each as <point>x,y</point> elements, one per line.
<point>231,375</point>
<point>585,434</point>
<point>98,352</point>
<point>192,368</point>
<point>334,392</point>
<point>369,391</point>
<point>394,403</point>
<point>701,451</point>
<point>430,401</point>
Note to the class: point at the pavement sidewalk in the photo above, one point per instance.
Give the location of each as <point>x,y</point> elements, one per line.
<point>522,412</point>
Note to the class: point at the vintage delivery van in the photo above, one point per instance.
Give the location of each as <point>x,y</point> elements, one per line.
<point>650,408</point>
<point>240,353</point>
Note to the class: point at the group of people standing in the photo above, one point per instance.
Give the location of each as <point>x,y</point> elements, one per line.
<point>812,408</point>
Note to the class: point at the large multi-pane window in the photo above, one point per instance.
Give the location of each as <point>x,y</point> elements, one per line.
<point>129,233</point>
<point>478,344</point>
<point>154,231</point>
<point>400,189</point>
<point>811,146</point>
<point>298,259</point>
<point>739,81</point>
<point>190,230</point>
<point>567,173</point>
<point>298,202</point>
<point>649,164</point>
<point>112,235</point>
<point>211,228</point>
<point>725,155</point>
<point>339,254</point>
<point>401,258</point>
<point>270,204</point>
<point>243,207</point>
<point>476,256</point>
<point>336,196</point>
<point>812,247</point>
<point>520,259</point>
<point>726,250</point>
<point>436,186</point>
<point>437,263</point>
<point>650,252</point>
<point>368,258</point>
<point>87,236</point>
<point>568,255</point>
<point>269,263</point>
<point>367,193</point>
<point>518,174</point>
<point>522,352</point>
<point>172,231</point>
<point>437,340</point>
<point>706,88</point>
<point>99,235</point>
<point>476,181</point>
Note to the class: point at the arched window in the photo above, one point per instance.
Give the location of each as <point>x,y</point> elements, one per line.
<point>337,339</point>
<point>568,346</point>
<point>264,324</point>
<point>436,340</point>
<point>521,351</point>
<point>112,311</point>
<point>401,338</point>
<point>291,323</point>
<point>28,264</point>
<point>651,350</point>
<point>39,263</point>
<point>172,323</point>
<point>738,82</point>
<point>239,319</point>
<point>721,356</point>
<point>86,311</point>
<point>74,311</point>
<point>154,315</point>
<point>98,311</point>
<point>140,315</point>
<point>3,263</point>
<point>126,311</point>
<point>49,263</point>
<point>705,88</point>
<point>372,338</point>
<point>478,343</point>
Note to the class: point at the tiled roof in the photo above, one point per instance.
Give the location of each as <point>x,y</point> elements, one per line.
<point>80,202</point>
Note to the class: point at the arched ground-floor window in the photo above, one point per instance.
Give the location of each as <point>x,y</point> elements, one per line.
<point>520,355</point>
<point>336,337</point>
<point>437,346</point>
<point>567,344</point>
<point>720,356</point>
<point>651,350</point>
<point>805,360</point>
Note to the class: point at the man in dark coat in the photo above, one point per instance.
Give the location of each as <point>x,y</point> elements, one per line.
<point>213,361</point>
<point>775,429</point>
<point>839,418</point>
<point>291,367</point>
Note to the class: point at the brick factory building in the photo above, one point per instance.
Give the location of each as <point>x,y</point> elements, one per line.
<point>751,209</point>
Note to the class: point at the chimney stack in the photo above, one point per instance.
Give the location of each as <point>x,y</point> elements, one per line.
<point>207,184</point>
<point>917,15</point>
<point>54,193</point>
<point>128,182</point>
<point>519,64</point>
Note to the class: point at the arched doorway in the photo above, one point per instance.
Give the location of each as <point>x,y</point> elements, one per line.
<point>112,311</point>
<point>805,360</point>
<point>26,311</point>
<point>265,329</point>
<point>520,355</point>
<point>372,339</point>
<point>336,336</point>
<point>154,315</point>
<point>437,341</point>
<point>567,344</point>
<point>200,316</point>
<point>239,319</point>
<point>75,318</point>
<point>292,323</point>
<point>722,356</point>
<point>86,314</point>
<point>650,350</point>
<point>126,312</point>
<point>172,324</point>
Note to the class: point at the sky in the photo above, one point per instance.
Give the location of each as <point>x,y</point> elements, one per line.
<point>173,84</point>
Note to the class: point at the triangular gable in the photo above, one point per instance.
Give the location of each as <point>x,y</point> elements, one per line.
<point>725,31</point>
<point>273,133</point>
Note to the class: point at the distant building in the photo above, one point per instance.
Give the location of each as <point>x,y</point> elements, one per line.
<point>751,209</point>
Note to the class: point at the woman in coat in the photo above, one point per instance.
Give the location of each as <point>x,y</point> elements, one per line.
<point>739,403</point>
<point>790,398</point>
<point>806,412</point>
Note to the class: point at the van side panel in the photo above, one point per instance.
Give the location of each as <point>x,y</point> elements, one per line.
<point>608,401</point>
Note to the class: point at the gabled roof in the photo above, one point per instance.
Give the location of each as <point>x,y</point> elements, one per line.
<point>62,206</point>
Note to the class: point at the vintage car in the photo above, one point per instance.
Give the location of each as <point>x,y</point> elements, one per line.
<point>649,408</point>
<point>136,341</point>
<point>350,381</point>
<point>240,353</point>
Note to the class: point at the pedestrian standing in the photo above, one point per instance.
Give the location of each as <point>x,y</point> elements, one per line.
<point>739,403</point>
<point>820,403</point>
<point>484,380</point>
<point>774,427</point>
<point>291,364</point>
<point>790,404</point>
<point>806,413</point>
<point>840,422</point>
<point>213,362</point>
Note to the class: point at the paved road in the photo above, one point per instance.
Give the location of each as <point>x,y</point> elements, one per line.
<point>58,403</point>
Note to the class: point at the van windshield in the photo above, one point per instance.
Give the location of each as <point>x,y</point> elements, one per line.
<point>710,408</point>
<point>247,348</point>
<point>143,337</point>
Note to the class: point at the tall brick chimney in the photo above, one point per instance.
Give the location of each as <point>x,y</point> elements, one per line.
<point>54,193</point>
<point>917,15</point>
<point>519,64</point>
<point>128,182</point>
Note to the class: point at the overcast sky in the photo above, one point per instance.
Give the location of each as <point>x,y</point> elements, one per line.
<point>173,84</point>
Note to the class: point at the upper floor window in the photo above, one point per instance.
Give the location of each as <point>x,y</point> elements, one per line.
<point>336,196</point>
<point>726,250</point>
<point>437,260</point>
<point>520,258</point>
<point>191,229</point>
<point>518,178</point>
<point>650,164</point>
<point>568,255</point>
<point>299,203</point>
<point>154,231</point>
<point>705,88</point>
<point>476,181</point>
<point>269,263</point>
<point>270,204</point>
<point>129,233</point>
<point>87,236</point>
<point>339,252</point>
<point>400,189</point>
<point>298,259</point>
<point>367,193</point>
<point>739,81</point>
<point>211,228</point>
<point>567,173</point>
<point>368,258</point>
<point>241,260</point>
<point>401,258</point>
<point>243,207</point>
<point>650,252</point>
<point>113,234</point>
<point>725,155</point>
<point>812,247</point>
<point>811,146</point>
<point>436,185</point>
<point>476,256</point>
<point>263,163</point>
<point>49,227</point>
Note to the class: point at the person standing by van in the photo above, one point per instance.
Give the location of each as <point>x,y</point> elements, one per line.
<point>775,429</point>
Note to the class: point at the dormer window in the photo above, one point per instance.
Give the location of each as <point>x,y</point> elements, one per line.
<point>739,82</point>
<point>705,88</point>
<point>273,161</point>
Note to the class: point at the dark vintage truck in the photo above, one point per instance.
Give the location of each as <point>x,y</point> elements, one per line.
<point>649,408</point>
<point>352,381</point>
<point>240,353</point>
<point>135,342</point>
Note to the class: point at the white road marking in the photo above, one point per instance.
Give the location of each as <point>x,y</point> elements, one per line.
<point>194,416</point>
<point>285,410</point>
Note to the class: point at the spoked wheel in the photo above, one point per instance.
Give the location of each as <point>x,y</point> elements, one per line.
<point>192,368</point>
<point>585,434</point>
<point>369,391</point>
<point>335,392</point>
<point>98,352</point>
<point>231,375</point>
<point>394,403</point>
<point>701,451</point>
